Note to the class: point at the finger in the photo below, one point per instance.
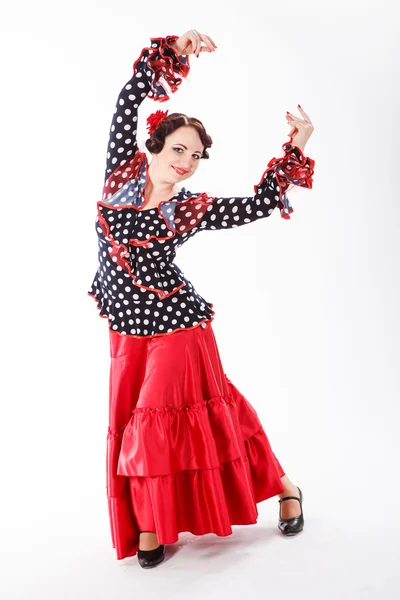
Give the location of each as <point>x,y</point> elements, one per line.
<point>292,115</point>
<point>198,41</point>
<point>297,119</point>
<point>307,118</point>
<point>293,119</point>
<point>195,40</point>
<point>208,42</point>
<point>206,49</point>
<point>188,48</point>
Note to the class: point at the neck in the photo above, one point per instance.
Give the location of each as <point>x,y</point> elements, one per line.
<point>158,189</point>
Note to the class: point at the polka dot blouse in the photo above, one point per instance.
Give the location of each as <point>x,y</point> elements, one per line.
<point>138,286</point>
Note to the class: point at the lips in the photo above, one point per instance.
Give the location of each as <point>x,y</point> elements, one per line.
<point>180,171</point>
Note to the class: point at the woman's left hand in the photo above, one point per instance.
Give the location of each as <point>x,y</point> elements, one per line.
<point>301,129</point>
<point>190,43</point>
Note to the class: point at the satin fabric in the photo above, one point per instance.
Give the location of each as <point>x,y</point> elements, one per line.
<point>185,450</point>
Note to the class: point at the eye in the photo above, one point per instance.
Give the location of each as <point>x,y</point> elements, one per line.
<point>180,150</point>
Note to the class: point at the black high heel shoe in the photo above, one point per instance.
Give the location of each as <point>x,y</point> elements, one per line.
<point>151,558</point>
<point>294,525</point>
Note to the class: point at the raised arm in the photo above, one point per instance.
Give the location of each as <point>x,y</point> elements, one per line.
<point>157,72</point>
<point>292,169</point>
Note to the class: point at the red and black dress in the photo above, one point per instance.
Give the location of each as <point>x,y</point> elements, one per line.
<point>185,450</point>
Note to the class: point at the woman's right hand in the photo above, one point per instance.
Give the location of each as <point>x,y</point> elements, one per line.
<point>190,43</point>
<point>301,129</point>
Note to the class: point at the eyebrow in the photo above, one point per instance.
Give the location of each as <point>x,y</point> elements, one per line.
<point>178,144</point>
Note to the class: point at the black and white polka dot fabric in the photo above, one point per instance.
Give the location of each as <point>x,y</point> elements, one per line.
<point>137,286</point>
<point>132,308</point>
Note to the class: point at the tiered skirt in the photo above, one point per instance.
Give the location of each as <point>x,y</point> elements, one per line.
<point>185,450</point>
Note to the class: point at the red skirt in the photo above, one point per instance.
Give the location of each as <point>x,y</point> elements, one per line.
<point>185,450</point>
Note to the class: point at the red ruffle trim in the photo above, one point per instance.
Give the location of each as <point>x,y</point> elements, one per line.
<point>170,504</point>
<point>290,170</point>
<point>166,64</point>
<point>199,501</point>
<point>184,219</point>
<point>213,452</point>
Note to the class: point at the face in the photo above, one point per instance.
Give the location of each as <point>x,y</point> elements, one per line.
<point>180,157</point>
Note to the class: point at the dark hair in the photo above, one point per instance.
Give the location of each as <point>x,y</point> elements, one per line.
<point>171,123</point>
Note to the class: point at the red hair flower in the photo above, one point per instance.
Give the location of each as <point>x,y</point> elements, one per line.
<point>155,119</point>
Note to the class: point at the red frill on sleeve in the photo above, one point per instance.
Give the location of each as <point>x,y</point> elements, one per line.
<point>293,169</point>
<point>168,67</point>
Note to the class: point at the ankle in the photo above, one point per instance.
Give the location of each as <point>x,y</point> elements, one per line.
<point>290,490</point>
<point>148,540</point>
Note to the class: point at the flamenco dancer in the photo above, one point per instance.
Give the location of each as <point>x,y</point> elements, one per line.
<point>185,449</point>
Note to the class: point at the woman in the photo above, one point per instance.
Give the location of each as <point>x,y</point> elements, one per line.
<point>185,450</point>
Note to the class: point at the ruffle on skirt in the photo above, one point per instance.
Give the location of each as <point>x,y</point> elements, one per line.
<point>185,450</point>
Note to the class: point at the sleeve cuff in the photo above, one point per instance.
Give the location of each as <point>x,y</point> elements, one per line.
<point>292,169</point>
<point>168,68</point>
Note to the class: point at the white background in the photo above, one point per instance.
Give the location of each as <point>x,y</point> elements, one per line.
<point>306,310</point>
